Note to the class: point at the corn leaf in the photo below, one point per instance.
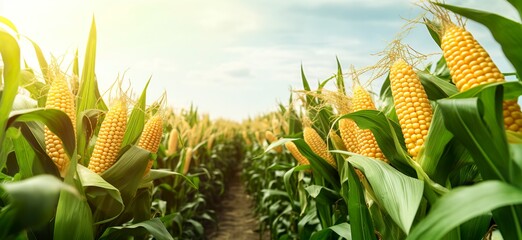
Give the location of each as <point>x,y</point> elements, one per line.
<point>319,165</point>
<point>89,95</point>
<point>516,155</point>
<point>161,173</point>
<point>434,148</point>
<point>57,121</point>
<point>344,230</point>
<point>137,118</point>
<point>25,155</point>
<point>88,121</point>
<point>154,226</point>
<point>34,135</point>
<point>140,206</point>
<point>388,135</point>
<point>322,194</point>
<point>291,182</point>
<point>497,25</point>
<point>10,52</point>
<point>360,220</point>
<point>44,67</point>
<point>463,204</point>
<point>339,78</point>
<point>132,162</point>
<point>322,234</point>
<point>34,87</point>
<point>478,125</point>
<point>475,228</point>
<point>518,5</point>
<point>75,82</point>
<point>105,200</point>
<point>73,217</point>
<point>485,140</point>
<point>306,86</point>
<point>430,25</point>
<point>384,225</point>
<point>31,203</point>
<point>8,23</point>
<point>397,193</point>
<point>511,90</point>
<point>435,87</point>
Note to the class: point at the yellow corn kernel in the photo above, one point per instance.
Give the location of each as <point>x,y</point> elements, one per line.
<point>470,65</point>
<point>365,140</point>
<point>270,137</point>
<point>348,130</point>
<point>292,148</point>
<point>411,104</point>
<point>110,138</point>
<point>318,146</point>
<point>151,136</point>
<point>173,141</point>
<point>61,98</point>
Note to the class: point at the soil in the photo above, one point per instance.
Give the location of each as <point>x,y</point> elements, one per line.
<point>235,217</point>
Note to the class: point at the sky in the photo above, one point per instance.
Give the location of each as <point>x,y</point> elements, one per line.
<point>230,58</point>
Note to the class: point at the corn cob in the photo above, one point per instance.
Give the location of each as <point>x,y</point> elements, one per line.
<point>470,65</point>
<point>188,159</point>
<point>411,104</point>
<point>337,141</point>
<point>151,137</point>
<point>270,137</point>
<point>173,141</point>
<point>365,140</point>
<point>292,148</point>
<point>61,98</point>
<point>318,146</point>
<point>348,130</point>
<point>512,116</point>
<point>259,138</point>
<point>246,138</point>
<point>210,142</point>
<point>110,138</point>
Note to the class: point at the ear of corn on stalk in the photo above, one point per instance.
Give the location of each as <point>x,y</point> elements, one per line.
<point>411,104</point>
<point>61,98</point>
<point>260,138</point>
<point>188,159</point>
<point>110,138</point>
<point>318,146</point>
<point>270,137</point>
<point>348,130</point>
<point>337,141</point>
<point>246,138</point>
<point>210,142</point>
<point>292,148</point>
<point>470,65</point>
<point>151,137</point>
<point>365,139</point>
<point>173,141</point>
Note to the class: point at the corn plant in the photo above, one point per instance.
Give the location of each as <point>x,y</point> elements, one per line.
<point>95,168</point>
<point>438,158</point>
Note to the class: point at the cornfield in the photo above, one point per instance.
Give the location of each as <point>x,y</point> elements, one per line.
<point>436,153</point>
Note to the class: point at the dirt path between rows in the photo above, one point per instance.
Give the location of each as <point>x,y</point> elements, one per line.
<point>235,218</point>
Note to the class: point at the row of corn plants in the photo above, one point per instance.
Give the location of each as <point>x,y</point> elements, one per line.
<point>207,153</point>
<point>436,154</point>
<point>73,166</point>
